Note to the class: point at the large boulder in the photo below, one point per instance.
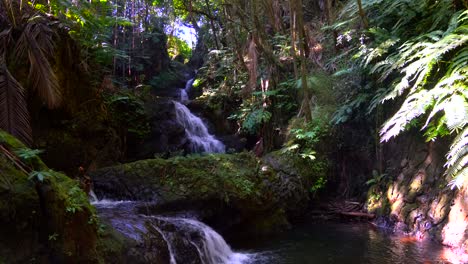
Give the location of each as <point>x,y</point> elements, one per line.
<point>48,221</point>
<point>229,192</point>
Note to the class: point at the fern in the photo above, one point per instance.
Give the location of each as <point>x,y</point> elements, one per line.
<point>419,52</point>
<point>457,159</point>
<point>426,60</point>
<point>436,54</point>
<point>254,119</point>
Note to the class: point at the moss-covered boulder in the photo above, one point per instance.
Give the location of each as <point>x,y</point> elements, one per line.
<point>236,191</point>
<point>48,221</point>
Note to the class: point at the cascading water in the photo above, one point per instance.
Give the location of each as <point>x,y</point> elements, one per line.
<point>183,96</point>
<point>210,246</point>
<point>197,133</point>
<point>179,233</point>
<point>201,141</point>
<point>184,237</point>
<point>184,92</point>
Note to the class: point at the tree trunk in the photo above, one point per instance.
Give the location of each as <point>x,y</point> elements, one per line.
<point>362,14</point>
<point>212,25</point>
<point>305,105</point>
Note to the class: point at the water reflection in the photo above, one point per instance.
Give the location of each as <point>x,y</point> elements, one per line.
<point>348,243</point>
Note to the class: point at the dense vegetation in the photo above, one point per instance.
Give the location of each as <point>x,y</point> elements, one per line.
<point>327,81</point>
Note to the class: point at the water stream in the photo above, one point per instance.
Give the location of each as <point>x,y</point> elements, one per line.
<point>201,141</point>
<point>179,233</point>
<point>184,98</point>
<point>345,243</point>
<point>312,243</point>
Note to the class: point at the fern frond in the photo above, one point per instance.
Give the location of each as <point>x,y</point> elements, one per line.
<point>457,159</point>
<point>458,148</point>
<point>459,179</point>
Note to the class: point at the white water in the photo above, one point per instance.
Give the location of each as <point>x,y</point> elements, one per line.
<point>197,133</point>
<point>92,196</point>
<point>184,98</point>
<point>211,246</point>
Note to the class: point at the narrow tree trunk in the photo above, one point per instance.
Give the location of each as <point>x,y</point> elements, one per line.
<point>362,14</point>
<point>292,17</point>
<point>212,25</point>
<point>305,105</point>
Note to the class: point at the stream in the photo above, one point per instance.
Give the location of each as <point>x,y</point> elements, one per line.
<point>353,243</point>
<point>308,243</point>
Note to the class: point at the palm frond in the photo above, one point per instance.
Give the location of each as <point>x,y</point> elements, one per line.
<point>14,115</point>
<point>36,42</point>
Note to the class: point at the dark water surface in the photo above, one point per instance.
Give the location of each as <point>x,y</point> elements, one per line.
<point>344,243</point>
<point>317,243</point>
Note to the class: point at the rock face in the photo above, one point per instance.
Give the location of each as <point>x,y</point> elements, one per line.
<point>415,198</point>
<point>228,192</point>
<point>166,134</point>
<point>43,222</point>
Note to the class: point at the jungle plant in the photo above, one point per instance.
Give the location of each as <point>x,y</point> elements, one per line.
<point>40,176</point>
<point>128,112</point>
<point>377,179</point>
<point>435,70</point>
<point>304,137</point>
<point>27,153</point>
<point>25,36</point>
<point>426,66</point>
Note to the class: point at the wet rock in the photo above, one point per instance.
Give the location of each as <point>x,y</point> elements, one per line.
<point>216,186</point>
<point>165,136</point>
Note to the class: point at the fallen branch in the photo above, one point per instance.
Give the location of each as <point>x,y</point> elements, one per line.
<point>358,214</point>
<point>13,158</point>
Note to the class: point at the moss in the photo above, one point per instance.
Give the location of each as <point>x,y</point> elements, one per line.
<point>112,246</point>
<point>272,222</point>
<point>36,222</point>
<point>260,193</point>
<point>199,176</point>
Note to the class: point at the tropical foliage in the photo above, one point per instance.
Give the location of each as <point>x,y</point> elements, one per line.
<point>26,34</point>
<point>426,66</point>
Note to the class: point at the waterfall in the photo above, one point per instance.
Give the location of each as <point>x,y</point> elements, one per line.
<point>92,196</point>
<point>197,133</point>
<point>184,98</point>
<point>181,234</point>
<point>211,247</point>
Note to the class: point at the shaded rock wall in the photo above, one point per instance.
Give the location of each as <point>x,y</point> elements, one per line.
<point>415,198</point>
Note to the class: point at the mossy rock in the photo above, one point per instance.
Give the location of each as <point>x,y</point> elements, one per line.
<point>241,186</point>
<point>43,222</point>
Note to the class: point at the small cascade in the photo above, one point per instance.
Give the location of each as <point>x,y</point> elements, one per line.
<point>185,238</point>
<point>201,140</point>
<point>184,98</point>
<point>92,196</point>
<point>211,247</point>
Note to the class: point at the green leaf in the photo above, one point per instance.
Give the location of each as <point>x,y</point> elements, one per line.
<point>27,153</point>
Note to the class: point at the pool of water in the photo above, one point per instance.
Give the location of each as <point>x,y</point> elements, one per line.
<point>344,243</point>
<point>331,243</point>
